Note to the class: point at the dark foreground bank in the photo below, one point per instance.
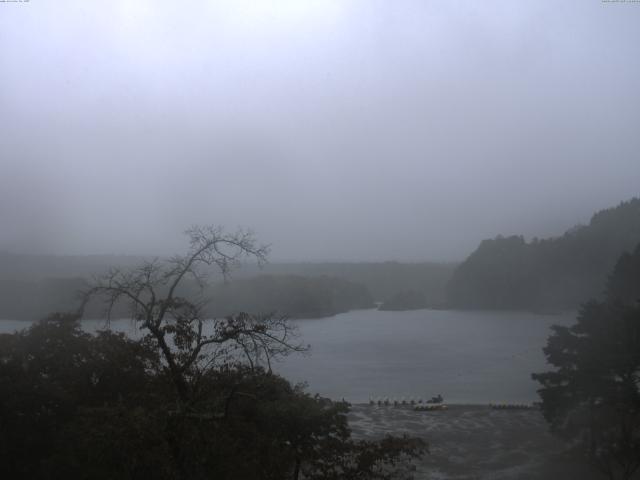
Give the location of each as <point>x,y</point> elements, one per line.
<point>475,442</point>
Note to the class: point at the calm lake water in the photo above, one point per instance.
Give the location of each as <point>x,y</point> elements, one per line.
<point>467,356</point>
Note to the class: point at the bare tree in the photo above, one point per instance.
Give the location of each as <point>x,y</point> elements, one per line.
<point>190,344</point>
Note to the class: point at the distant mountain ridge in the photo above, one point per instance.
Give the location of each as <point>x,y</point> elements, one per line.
<point>551,274</point>
<point>31,286</point>
<point>289,295</point>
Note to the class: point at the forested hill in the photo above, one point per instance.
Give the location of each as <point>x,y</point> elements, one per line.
<point>383,279</point>
<point>287,295</point>
<point>546,275</point>
<point>31,286</point>
<point>623,285</point>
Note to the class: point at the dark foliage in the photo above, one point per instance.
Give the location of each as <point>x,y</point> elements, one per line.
<point>290,295</point>
<point>74,405</point>
<point>383,279</point>
<point>23,299</point>
<point>193,399</point>
<point>63,389</point>
<point>624,283</point>
<point>31,286</point>
<point>593,395</point>
<point>553,274</point>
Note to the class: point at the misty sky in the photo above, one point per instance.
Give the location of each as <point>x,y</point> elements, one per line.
<point>344,130</point>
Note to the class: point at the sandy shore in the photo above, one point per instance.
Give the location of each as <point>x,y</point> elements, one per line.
<point>475,442</point>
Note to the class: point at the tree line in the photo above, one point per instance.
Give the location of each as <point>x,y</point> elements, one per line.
<point>290,295</point>
<point>551,274</point>
<point>592,397</point>
<point>300,290</point>
<point>192,398</point>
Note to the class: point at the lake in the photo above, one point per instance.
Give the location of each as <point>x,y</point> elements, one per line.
<point>467,356</point>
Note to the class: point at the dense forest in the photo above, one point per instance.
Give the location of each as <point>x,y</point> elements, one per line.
<point>34,285</point>
<point>502,273</point>
<point>383,279</point>
<point>193,398</point>
<point>623,284</point>
<point>286,295</point>
<point>592,395</point>
<point>290,295</point>
<point>22,299</point>
<point>550,274</point>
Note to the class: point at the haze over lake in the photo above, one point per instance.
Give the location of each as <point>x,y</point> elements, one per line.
<point>467,356</point>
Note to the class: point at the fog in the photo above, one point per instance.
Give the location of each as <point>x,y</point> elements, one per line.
<point>337,130</point>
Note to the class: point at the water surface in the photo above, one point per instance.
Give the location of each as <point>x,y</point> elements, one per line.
<point>467,356</point>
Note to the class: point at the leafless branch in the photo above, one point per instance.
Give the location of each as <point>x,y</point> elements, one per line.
<point>191,344</point>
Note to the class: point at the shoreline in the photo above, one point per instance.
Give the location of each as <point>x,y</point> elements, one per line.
<point>474,441</point>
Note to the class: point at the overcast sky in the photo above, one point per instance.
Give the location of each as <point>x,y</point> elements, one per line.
<point>344,130</point>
